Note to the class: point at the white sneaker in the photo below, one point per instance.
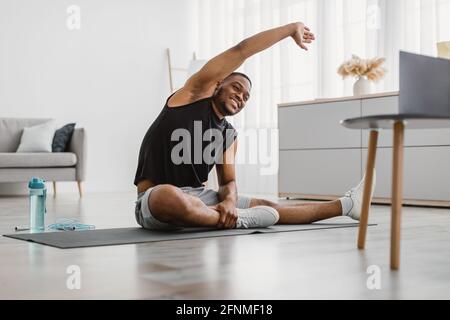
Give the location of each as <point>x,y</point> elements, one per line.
<point>356,195</point>
<point>256,217</point>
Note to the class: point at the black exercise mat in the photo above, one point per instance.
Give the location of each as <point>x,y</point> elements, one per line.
<point>118,236</point>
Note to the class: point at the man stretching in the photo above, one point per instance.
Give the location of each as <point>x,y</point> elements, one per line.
<point>170,181</point>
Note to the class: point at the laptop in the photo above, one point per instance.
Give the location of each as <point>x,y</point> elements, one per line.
<point>424,85</point>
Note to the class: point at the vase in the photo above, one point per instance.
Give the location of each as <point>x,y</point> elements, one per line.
<point>362,87</point>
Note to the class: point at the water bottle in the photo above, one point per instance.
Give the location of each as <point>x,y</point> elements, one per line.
<point>38,195</point>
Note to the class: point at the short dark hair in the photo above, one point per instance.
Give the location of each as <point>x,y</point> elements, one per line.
<point>242,75</point>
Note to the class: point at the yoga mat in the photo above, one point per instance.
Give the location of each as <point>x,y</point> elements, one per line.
<point>118,236</point>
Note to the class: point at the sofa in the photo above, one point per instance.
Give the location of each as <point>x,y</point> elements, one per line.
<point>50,166</point>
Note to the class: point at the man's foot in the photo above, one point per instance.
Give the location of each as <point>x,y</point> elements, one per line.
<point>352,201</point>
<point>256,217</point>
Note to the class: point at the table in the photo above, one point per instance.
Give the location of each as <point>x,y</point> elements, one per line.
<point>398,123</point>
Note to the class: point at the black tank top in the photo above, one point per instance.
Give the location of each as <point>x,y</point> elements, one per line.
<point>194,119</point>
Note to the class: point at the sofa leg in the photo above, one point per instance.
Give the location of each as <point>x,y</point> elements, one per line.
<point>54,189</point>
<point>80,190</point>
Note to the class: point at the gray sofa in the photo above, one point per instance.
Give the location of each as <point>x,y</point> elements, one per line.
<point>57,166</point>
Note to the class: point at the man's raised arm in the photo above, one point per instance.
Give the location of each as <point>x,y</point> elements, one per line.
<point>219,67</point>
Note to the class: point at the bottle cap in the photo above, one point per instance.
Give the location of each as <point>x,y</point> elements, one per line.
<point>36,183</point>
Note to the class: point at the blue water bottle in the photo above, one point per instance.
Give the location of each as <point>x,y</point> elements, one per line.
<point>38,196</point>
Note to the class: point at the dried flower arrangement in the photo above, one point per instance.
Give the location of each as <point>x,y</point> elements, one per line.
<point>357,67</point>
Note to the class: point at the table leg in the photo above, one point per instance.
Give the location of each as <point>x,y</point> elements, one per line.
<point>397,191</point>
<point>370,165</point>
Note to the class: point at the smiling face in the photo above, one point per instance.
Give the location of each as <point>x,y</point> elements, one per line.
<point>232,94</point>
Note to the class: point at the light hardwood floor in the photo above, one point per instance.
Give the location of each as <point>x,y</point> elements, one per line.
<point>323,264</point>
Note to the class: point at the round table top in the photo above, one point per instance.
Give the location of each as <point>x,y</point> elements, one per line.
<point>387,121</point>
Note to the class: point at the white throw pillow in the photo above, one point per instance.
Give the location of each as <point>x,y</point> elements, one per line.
<point>38,138</point>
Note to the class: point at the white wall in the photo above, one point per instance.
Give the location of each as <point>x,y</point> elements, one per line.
<point>110,76</point>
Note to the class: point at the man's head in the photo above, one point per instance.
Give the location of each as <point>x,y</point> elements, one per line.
<point>232,93</point>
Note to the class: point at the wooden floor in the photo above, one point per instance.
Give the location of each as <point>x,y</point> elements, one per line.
<point>323,264</point>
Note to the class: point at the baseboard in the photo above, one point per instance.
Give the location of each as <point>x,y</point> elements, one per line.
<point>13,189</point>
<point>382,201</point>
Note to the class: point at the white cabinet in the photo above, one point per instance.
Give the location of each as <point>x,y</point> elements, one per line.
<point>426,173</point>
<point>321,172</point>
<point>318,158</point>
<point>298,132</point>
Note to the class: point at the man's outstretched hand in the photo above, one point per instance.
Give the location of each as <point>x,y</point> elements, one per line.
<point>302,35</point>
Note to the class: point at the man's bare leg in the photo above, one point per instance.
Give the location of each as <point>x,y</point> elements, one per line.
<point>303,213</point>
<point>170,204</point>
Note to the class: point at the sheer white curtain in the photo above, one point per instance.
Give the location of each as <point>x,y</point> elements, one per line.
<point>285,73</point>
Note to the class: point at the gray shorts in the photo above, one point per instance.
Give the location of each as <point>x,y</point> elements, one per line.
<point>209,197</point>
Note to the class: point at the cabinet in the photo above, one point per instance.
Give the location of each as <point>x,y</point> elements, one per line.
<point>320,159</point>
